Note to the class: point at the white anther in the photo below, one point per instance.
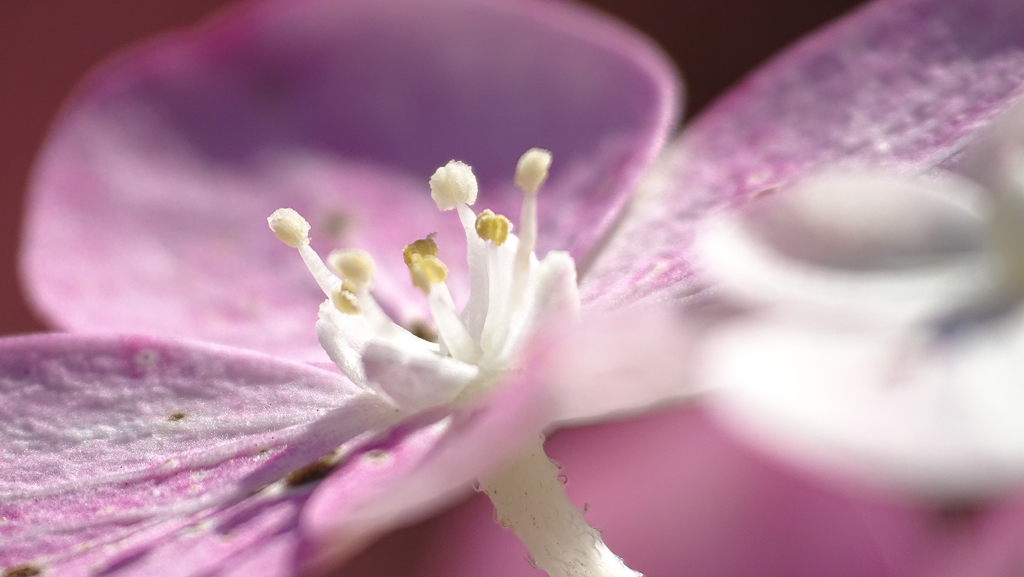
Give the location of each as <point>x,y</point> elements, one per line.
<point>532,170</point>
<point>290,227</point>
<point>453,184</point>
<point>354,266</point>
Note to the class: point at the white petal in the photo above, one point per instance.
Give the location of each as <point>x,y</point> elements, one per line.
<point>552,295</point>
<point>415,381</point>
<point>943,418</point>
<point>870,220</point>
<point>620,364</point>
<point>752,271</point>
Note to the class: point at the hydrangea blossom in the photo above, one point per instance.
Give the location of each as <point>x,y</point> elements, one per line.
<point>756,138</point>
<point>403,454</point>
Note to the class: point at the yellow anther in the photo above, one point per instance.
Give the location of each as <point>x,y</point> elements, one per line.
<point>426,271</point>
<point>290,227</point>
<point>344,299</point>
<point>422,247</point>
<point>492,227</point>
<point>354,266</point>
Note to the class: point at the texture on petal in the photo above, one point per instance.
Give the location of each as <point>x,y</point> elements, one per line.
<point>147,205</point>
<point>902,84</point>
<point>113,448</point>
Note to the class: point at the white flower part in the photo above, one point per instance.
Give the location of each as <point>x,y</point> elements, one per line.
<point>880,334</point>
<point>889,247</point>
<point>532,170</point>
<point>289,227</point>
<point>453,184</point>
<point>416,379</point>
<point>512,292</point>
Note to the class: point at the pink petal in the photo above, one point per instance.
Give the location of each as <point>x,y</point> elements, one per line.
<point>148,205</point>
<point>425,464</point>
<point>901,84</point>
<point>110,446</point>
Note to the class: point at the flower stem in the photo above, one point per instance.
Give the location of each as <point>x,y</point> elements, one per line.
<point>530,499</point>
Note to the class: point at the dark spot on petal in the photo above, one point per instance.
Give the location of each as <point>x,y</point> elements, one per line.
<point>764,192</point>
<point>336,224</point>
<point>25,570</point>
<point>313,472</point>
<point>377,456</point>
<point>176,417</point>
<point>423,331</point>
<point>146,359</point>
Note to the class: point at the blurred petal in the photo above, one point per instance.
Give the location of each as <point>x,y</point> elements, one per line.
<point>155,183</point>
<point>855,244</point>
<point>871,220</point>
<point>112,446</point>
<point>616,365</point>
<point>901,84</point>
<point>940,416</point>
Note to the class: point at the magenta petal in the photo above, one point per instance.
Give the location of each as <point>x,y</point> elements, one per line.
<point>113,446</point>
<point>901,84</point>
<point>148,205</point>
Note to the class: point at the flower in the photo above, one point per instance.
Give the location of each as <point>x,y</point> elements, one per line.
<point>786,147</point>
<point>228,473</point>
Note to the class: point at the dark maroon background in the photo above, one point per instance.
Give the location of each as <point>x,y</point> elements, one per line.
<point>46,46</point>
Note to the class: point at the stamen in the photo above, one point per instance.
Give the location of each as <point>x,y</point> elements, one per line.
<point>532,170</point>
<point>293,230</point>
<point>428,274</point>
<point>492,227</point>
<point>422,247</point>
<point>355,266</point>
<point>453,184</point>
<point>426,271</point>
<point>453,334</point>
<point>344,299</point>
<point>289,227</point>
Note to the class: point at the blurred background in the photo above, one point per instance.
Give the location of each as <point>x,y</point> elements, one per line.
<point>47,46</point>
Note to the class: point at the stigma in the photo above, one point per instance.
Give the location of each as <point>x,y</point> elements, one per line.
<point>511,292</point>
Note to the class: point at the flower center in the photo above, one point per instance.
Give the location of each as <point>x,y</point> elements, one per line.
<point>511,291</point>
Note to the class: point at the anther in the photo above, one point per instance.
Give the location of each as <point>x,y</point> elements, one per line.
<point>289,227</point>
<point>426,271</point>
<point>532,170</point>
<point>344,299</point>
<point>422,247</point>
<point>355,267</point>
<point>453,184</point>
<point>492,227</point>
